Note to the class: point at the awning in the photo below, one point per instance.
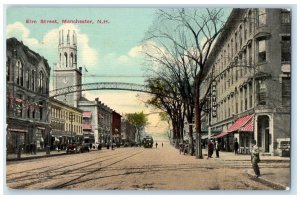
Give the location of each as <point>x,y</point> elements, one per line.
<point>87,126</point>
<point>87,114</point>
<point>221,134</point>
<point>239,123</point>
<point>19,130</point>
<point>248,127</point>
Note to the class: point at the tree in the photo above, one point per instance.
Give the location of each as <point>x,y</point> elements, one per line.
<point>166,99</point>
<point>183,39</point>
<point>139,121</point>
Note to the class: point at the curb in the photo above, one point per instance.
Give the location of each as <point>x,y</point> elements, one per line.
<point>36,157</point>
<point>262,180</point>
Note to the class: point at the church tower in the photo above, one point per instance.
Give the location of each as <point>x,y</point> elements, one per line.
<point>66,72</point>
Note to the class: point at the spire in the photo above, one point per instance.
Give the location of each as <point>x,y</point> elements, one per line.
<point>62,36</point>
<point>59,40</point>
<point>68,37</point>
<point>74,38</point>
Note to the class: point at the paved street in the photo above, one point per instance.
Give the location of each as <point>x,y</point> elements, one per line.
<point>138,168</point>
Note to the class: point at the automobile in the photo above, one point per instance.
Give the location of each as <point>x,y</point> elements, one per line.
<point>84,147</point>
<point>72,148</point>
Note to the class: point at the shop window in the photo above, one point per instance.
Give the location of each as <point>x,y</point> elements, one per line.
<point>286,49</point>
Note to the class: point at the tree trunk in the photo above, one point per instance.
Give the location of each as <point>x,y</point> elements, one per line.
<point>198,122</point>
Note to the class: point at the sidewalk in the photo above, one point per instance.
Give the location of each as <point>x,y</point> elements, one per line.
<point>275,170</point>
<point>28,156</point>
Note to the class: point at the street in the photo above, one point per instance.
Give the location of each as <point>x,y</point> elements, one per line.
<point>135,169</point>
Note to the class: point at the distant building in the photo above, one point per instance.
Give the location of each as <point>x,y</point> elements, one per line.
<point>27,92</point>
<point>66,124</point>
<point>251,91</point>
<point>97,121</point>
<point>116,127</point>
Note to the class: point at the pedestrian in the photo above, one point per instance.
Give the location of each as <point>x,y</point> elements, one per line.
<point>236,147</point>
<point>255,158</point>
<point>218,148</point>
<point>162,145</point>
<point>156,144</point>
<point>210,148</point>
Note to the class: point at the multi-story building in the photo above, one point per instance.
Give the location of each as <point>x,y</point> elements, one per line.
<point>66,124</point>
<point>27,90</point>
<point>250,66</point>
<point>128,131</point>
<point>97,121</point>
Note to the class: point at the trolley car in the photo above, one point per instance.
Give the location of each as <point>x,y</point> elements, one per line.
<point>147,142</point>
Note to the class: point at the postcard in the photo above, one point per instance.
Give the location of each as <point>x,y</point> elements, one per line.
<point>148,98</point>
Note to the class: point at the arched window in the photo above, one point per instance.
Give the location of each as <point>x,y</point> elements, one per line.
<point>66,59</point>
<point>27,79</point>
<point>41,81</point>
<point>19,75</point>
<point>71,60</point>
<point>75,59</point>
<point>33,80</point>
<point>7,68</point>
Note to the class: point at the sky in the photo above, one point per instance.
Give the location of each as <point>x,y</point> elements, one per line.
<point>109,51</point>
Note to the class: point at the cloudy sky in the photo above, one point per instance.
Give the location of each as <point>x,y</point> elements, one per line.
<point>110,51</point>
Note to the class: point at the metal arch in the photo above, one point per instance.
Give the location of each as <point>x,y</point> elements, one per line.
<point>100,86</point>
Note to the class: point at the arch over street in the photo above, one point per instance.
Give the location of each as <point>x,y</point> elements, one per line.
<point>100,86</point>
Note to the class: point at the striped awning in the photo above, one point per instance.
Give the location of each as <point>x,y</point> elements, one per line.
<point>239,123</point>
<point>87,126</point>
<point>221,134</point>
<point>87,114</point>
<point>248,127</point>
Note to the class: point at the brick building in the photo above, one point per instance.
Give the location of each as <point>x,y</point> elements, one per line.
<point>27,92</point>
<point>250,66</point>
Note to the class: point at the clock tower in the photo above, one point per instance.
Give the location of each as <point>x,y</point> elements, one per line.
<point>66,72</point>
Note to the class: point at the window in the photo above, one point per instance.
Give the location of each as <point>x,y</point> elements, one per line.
<point>286,91</point>
<point>71,60</point>
<point>285,16</point>
<point>241,37</point>
<point>261,17</point>
<point>250,21</point>
<point>19,106</point>
<point>66,59</point>
<point>262,51</point>
<point>250,95</point>
<point>235,39</point>
<point>246,98</point>
<point>27,79</point>
<point>250,55</point>
<point>286,49</point>
<point>33,80</point>
<point>7,69</point>
<point>41,110</point>
<point>19,75</point>
<point>41,82</point>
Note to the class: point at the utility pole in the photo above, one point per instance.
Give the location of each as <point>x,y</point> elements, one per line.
<point>71,118</point>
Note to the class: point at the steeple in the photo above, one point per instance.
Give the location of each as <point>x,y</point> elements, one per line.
<point>67,52</point>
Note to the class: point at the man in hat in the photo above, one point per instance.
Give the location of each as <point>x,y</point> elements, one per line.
<point>255,158</point>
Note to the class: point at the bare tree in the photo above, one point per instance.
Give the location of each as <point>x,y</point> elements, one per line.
<point>184,38</point>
